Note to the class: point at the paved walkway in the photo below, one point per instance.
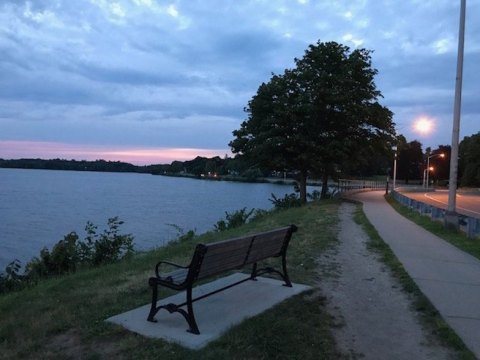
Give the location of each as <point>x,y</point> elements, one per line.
<point>449,277</point>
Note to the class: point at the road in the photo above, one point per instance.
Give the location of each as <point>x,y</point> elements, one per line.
<point>467,203</point>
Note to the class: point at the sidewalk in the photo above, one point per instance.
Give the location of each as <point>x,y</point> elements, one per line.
<point>449,277</point>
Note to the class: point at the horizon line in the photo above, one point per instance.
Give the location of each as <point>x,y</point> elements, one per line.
<point>135,155</point>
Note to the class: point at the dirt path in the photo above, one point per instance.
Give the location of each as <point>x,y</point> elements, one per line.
<point>374,317</point>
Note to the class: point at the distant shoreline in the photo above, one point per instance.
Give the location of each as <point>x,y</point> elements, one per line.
<point>122,167</point>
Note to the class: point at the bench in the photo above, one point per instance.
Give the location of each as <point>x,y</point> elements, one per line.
<point>215,258</point>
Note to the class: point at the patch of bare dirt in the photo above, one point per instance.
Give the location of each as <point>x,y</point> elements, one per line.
<point>374,316</point>
<point>70,345</point>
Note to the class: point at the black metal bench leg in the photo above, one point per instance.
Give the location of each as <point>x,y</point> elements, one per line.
<point>285,274</point>
<point>190,317</point>
<point>153,308</point>
<point>253,274</point>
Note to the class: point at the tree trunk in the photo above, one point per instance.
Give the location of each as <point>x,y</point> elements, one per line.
<point>324,192</point>
<point>302,185</point>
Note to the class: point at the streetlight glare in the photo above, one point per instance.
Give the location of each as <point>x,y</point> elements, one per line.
<point>423,125</point>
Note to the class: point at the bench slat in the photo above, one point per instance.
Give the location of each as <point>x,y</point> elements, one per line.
<point>268,245</point>
<point>217,261</point>
<point>229,245</point>
<point>235,253</point>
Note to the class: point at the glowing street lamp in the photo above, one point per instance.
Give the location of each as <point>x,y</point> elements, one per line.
<point>431,168</point>
<point>423,125</point>
<point>425,175</point>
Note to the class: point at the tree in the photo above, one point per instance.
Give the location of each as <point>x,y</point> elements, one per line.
<point>469,160</point>
<point>316,117</point>
<point>410,160</point>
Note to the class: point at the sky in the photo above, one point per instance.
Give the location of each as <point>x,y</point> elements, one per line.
<point>152,81</point>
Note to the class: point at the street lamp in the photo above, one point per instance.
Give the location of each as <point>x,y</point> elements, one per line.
<point>394,148</point>
<point>428,165</point>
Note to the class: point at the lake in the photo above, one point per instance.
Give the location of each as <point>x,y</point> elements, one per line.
<point>39,207</point>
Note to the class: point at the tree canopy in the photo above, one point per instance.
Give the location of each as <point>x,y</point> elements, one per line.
<point>410,164</point>
<point>469,160</point>
<point>317,117</point>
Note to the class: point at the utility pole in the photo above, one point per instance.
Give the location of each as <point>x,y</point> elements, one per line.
<point>451,217</point>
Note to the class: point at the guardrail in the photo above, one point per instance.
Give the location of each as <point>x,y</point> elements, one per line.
<point>344,185</point>
<point>467,224</point>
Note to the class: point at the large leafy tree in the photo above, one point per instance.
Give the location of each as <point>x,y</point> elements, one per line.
<point>410,160</point>
<point>318,116</point>
<point>469,160</point>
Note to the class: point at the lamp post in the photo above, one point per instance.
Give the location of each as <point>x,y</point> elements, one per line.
<point>428,166</point>
<point>451,217</point>
<point>394,148</point>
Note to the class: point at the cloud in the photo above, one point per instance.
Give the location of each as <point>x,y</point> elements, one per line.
<point>444,45</point>
<point>349,38</point>
<point>179,73</point>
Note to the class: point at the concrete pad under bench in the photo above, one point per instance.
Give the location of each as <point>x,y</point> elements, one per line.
<point>214,314</point>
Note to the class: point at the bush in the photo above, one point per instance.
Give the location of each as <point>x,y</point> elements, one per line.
<point>70,253</point>
<point>315,195</point>
<point>63,258</point>
<point>233,220</point>
<point>287,202</point>
<point>106,247</point>
<point>12,279</point>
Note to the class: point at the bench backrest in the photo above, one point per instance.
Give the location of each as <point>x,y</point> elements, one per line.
<point>215,258</point>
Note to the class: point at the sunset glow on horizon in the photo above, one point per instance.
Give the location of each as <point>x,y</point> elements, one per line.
<point>133,155</point>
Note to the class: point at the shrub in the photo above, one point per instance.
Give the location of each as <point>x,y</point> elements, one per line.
<point>63,258</point>
<point>315,195</point>
<point>233,220</point>
<point>70,253</point>
<point>288,201</point>
<point>106,247</point>
<point>11,279</point>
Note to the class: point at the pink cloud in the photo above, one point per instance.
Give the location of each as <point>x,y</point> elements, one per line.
<point>134,155</point>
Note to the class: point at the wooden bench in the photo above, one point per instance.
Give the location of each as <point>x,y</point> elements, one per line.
<point>215,258</point>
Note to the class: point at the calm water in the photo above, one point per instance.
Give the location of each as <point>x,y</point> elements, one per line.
<point>39,207</point>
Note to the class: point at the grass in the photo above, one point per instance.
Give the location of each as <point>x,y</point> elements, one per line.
<point>429,315</point>
<point>63,318</point>
<point>454,237</point>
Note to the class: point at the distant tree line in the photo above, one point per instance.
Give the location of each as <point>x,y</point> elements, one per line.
<point>62,164</point>
<point>227,168</point>
<point>411,163</point>
<point>215,167</point>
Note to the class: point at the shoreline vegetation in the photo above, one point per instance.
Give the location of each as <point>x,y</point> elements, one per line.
<point>216,169</point>
<point>110,245</point>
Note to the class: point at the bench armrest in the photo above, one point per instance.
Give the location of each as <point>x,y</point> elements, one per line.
<point>159,264</point>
